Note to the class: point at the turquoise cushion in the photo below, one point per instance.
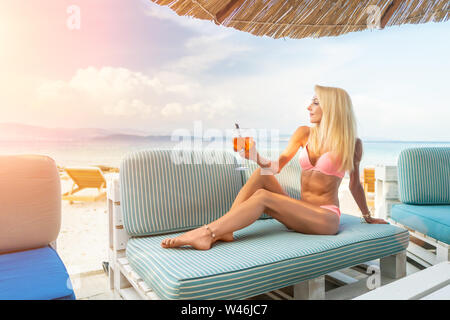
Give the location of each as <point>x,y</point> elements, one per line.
<point>264,256</point>
<point>424,175</point>
<point>161,192</point>
<point>289,178</point>
<point>431,220</point>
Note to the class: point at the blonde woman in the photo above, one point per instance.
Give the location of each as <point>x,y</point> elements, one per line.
<point>329,149</point>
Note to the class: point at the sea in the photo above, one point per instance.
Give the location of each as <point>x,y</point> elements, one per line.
<point>110,152</point>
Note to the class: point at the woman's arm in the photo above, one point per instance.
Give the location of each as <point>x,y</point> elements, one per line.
<point>356,188</point>
<point>295,142</point>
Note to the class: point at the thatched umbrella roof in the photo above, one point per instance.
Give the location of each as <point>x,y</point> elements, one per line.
<point>309,18</point>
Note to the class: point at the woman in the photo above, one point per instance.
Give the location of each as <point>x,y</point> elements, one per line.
<point>328,150</point>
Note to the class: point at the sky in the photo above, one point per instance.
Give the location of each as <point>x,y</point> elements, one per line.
<point>134,64</point>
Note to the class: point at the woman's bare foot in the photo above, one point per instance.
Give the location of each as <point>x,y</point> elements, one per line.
<point>199,238</point>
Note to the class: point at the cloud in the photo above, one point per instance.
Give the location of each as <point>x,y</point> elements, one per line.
<point>207,45</point>
<point>109,91</point>
<point>165,13</point>
<point>205,51</point>
<point>394,118</point>
<point>172,109</point>
<point>166,100</point>
<point>131,107</point>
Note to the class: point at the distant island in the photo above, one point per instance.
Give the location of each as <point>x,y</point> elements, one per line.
<point>23,132</point>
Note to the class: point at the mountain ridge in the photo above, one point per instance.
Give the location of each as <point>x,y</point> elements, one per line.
<point>11,131</point>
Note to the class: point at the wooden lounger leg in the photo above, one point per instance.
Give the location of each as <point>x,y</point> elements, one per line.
<point>394,266</point>
<point>313,289</point>
<point>442,253</point>
<point>120,282</point>
<point>111,278</point>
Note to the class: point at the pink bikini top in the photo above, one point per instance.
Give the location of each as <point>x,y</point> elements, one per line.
<point>324,164</point>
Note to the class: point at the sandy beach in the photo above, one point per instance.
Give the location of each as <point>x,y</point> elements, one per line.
<point>83,239</point>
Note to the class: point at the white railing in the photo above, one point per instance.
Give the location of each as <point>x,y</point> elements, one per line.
<point>386,190</point>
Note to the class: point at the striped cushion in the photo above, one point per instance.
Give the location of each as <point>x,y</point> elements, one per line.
<point>265,256</point>
<point>160,193</point>
<point>424,175</point>
<point>289,178</point>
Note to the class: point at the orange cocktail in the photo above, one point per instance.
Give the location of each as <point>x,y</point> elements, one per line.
<point>245,143</point>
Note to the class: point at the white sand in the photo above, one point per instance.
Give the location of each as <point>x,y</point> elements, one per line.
<point>83,239</point>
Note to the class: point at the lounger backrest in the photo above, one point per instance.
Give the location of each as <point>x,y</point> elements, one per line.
<point>289,177</point>
<point>165,191</point>
<point>30,202</point>
<point>424,175</point>
<point>369,179</point>
<point>86,177</point>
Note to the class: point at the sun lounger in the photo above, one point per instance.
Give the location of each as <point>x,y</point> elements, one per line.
<point>36,274</point>
<point>368,182</point>
<point>84,178</point>
<point>369,179</point>
<point>156,196</point>
<point>30,216</point>
<point>417,197</point>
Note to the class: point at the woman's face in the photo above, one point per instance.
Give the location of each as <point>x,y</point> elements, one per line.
<point>315,111</point>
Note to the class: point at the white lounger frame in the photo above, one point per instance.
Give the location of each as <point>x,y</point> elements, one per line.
<point>432,283</point>
<point>386,195</point>
<point>127,284</point>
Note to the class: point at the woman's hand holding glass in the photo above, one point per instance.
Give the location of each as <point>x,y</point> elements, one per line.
<point>248,149</point>
<point>268,167</point>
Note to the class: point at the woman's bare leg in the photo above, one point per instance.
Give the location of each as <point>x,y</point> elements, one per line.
<point>255,182</point>
<point>295,214</point>
<point>241,216</point>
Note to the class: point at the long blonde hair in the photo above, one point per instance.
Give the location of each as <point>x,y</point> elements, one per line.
<point>337,130</point>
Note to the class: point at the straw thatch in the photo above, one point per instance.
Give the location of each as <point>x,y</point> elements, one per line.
<point>302,18</point>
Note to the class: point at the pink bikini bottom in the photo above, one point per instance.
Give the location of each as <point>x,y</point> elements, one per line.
<point>333,208</point>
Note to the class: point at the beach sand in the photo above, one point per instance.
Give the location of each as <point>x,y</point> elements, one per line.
<point>83,239</point>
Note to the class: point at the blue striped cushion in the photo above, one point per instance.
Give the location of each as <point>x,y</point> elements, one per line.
<point>265,256</point>
<point>424,175</point>
<point>289,178</point>
<point>160,195</point>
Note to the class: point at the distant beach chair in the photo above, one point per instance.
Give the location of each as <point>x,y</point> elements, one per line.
<point>369,185</point>
<point>84,178</point>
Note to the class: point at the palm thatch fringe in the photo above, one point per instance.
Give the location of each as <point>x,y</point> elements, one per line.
<point>310,18</point>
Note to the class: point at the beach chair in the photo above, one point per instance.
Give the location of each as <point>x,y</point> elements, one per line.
<point>368,182</point>
<point>30,267</point>
<point>157,193</point>
<point>415,195</point>
<point>84,178</point>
